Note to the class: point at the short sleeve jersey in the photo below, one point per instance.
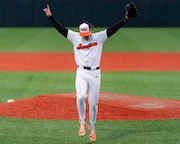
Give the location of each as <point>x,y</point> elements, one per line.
<point>87,52</point>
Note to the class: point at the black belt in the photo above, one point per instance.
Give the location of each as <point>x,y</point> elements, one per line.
<point>89,68</point>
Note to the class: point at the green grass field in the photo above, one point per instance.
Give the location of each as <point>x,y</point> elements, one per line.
<point>125,40</point>
<point>18,85</point>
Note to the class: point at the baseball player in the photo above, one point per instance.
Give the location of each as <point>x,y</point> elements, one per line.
<point>87,52</point>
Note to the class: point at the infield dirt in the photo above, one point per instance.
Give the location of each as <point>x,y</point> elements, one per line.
<point>109,62</point>
<point>111,106</point>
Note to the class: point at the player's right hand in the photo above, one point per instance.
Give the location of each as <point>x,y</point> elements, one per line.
<point>47,11</point>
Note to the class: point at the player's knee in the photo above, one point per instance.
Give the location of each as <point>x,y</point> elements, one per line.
<point>93,106</point>
<point>81,96</point>
<point>80,101</point>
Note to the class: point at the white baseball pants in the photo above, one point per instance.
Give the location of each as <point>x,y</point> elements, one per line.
<point>87,83</point>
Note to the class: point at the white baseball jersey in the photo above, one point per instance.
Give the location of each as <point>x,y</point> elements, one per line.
<point>87,53</point>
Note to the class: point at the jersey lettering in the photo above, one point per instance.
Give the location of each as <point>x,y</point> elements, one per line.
<point>80,46</point>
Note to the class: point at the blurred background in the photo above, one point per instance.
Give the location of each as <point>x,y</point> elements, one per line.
<point>102,13</point>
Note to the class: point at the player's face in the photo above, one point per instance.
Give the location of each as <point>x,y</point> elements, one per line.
<point>86,37</point>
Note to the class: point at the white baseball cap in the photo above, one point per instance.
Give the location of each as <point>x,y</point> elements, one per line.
<point>84,30</point>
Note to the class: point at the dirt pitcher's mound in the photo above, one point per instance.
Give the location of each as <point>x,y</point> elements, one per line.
<point>111,107</point>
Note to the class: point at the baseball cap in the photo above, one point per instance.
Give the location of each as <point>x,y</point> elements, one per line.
<point>84,29</point>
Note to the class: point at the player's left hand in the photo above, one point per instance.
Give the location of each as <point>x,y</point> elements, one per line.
<point>131,10</point>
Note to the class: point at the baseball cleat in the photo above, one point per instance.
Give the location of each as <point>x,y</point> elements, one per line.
<point>82,129</point>
<point>92,135</point>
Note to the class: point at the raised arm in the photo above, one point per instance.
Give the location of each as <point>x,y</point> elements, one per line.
<point>131,11</point>
<point>56,24</point>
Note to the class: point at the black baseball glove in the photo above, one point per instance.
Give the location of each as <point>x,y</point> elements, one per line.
<point>131,10</point>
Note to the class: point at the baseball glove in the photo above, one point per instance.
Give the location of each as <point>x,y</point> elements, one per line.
<point>131,10</point>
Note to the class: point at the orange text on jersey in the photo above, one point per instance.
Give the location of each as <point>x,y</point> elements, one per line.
<point>80,46</point>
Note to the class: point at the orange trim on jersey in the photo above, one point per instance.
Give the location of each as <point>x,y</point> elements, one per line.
<point>80,46</point>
